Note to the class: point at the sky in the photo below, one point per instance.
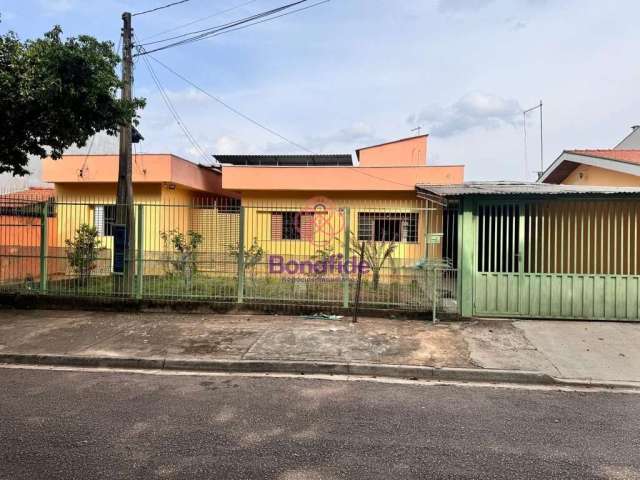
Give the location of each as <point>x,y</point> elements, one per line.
<point>352,73</point>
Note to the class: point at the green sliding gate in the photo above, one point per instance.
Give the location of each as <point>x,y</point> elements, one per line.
<point>558,258</point>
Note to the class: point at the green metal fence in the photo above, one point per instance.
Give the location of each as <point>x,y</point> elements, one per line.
<point>557,259</point>
<point>304,252</point>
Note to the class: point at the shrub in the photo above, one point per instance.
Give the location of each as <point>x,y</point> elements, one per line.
<point>183,261</point>
<point>83,250</point>
<point>252,256</point>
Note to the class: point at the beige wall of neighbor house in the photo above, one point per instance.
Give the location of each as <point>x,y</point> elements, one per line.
<point>590,175</point>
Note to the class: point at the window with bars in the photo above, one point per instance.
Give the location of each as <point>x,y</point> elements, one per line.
<point>104,218</point>
<point>388,227</point>
<point>292,226</point>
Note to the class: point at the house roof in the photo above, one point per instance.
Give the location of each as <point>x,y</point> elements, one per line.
<point>521,188</point>
<point>619,160</point>
<point>286,160</point>
<point>392,141</point>
<point>30,196</point>
<point>629,156</point>
<point>147,168</point>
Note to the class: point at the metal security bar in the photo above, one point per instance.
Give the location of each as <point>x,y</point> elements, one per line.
<point>302,251</point>
<point>561,258</point>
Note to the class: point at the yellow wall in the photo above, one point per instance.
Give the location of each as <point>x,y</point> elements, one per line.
<point>329,231</point>
<point>174,209</point>
<point>589,175</point>
<point>164,210</point>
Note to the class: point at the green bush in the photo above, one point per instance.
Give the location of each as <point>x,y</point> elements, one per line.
<point>83,251</point>
<point>183,261</point>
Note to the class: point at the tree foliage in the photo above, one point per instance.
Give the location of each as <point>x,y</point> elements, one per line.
<point>376,255</point>
<point>54,93</point>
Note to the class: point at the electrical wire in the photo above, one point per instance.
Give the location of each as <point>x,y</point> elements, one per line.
<point>175,114</point>
<point>221,12</point>
<point>224,26</point>
<point>159,8</point>
<point>239,25</point>
<point>269,130</point>
<point>229,107</point>
<point>86,157</point>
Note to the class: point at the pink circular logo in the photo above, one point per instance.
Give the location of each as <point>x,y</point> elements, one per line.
<point>324,217</point>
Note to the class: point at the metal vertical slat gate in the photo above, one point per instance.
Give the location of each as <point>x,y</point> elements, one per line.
<point>560,258</point>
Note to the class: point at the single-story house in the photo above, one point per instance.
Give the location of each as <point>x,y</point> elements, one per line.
<point>303,206</point>
<point>619,166</point>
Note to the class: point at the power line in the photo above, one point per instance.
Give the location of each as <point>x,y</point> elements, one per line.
<point>175,114</point>
<point>160,8</point>
<point>273,132</point>
<point>229,107</point>
<point>86,157</point>
<point>224,26</point>
<point>221,12</point>
<point>239,25</point>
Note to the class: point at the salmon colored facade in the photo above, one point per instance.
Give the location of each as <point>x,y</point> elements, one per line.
<point>170,187</point>
<point>383,182</point>
<point>85,188</point>
<point>411,151</point>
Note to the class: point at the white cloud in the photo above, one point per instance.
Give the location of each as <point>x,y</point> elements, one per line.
<point>344,139</point>
<point>454,6</point>
<point>231,145</point>
<point>57,6</point>
<point>474,110</point>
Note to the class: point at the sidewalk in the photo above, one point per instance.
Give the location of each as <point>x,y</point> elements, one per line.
<point>602,352</point>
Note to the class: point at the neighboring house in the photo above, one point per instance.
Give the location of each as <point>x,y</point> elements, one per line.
<point>21,216</point>
<point>300,206</point>
<point>619,166</point>
<point>85,190</point>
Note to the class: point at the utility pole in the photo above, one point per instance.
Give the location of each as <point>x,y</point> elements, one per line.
<point>124,229</point>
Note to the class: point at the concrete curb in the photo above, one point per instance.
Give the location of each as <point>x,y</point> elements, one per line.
<point>305,367</point>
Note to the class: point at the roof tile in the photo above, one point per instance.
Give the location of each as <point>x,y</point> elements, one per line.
<point>628,156</point>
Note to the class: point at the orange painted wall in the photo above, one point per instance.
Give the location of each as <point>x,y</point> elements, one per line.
<point>380,179</point>
<point>20,247</point>
<point>408,151</point>
<point>147,168</point>
<point>601,177</point>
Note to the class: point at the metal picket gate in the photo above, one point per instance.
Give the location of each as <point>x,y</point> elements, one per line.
<point>560,258</point>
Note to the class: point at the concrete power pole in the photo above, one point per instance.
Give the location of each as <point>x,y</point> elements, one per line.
<point>125,225</point>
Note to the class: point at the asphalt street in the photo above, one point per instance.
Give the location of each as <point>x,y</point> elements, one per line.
<point>84,425</point>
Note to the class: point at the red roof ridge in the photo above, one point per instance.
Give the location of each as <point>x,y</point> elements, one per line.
<point>631,155</point>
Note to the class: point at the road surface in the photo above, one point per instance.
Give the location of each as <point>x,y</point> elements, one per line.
<point>80,424</point>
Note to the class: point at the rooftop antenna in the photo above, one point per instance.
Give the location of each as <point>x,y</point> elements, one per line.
<point>524,116</point>
<point>417,129</point>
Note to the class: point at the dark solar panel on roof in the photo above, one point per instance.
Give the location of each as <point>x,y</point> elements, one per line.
<point>286,160</point>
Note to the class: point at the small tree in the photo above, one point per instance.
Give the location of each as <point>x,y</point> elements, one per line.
<point>183,262</point>
<point>376,254</point>
<point>252,256</point>
<point>83,251</point>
